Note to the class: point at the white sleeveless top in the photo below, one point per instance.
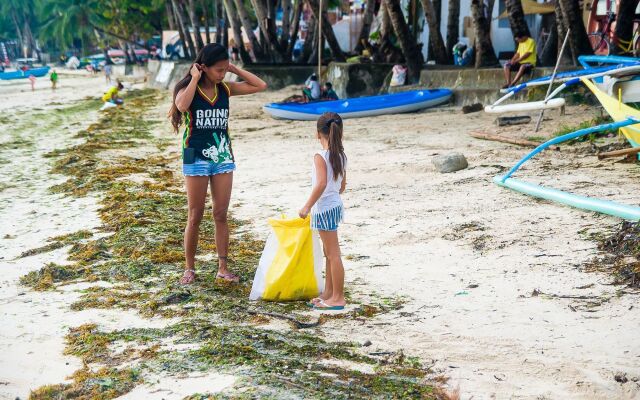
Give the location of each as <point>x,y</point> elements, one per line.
<point>330,198</point>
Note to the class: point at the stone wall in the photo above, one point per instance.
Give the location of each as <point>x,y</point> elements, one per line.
<point>357,80</point>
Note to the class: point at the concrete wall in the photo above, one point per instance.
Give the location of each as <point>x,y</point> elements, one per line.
<point>165,74</point>
<point>356,80</point>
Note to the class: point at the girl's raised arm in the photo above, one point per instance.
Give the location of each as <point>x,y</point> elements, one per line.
<point>252,84</point>
<point>185,95</point>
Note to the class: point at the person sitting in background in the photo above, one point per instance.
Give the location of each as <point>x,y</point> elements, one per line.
<point>111,96</point>
<point>328,93</point>
<point>462,54</point>
<point>522,62</point>
<point>311,92</point>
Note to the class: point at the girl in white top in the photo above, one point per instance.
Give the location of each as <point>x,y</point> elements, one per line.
<point>328,179</point>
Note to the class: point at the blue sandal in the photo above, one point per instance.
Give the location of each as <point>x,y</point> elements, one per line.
<point>325,306</point>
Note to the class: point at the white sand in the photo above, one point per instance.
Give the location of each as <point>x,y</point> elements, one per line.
<point>404,238</point>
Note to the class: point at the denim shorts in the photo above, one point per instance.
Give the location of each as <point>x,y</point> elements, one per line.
<point>327,220</point>
<point>207,168</point>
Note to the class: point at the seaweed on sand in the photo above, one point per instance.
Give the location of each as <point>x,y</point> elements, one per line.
<point>140,254</point>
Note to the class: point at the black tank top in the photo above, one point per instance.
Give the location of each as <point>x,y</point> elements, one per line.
<point>207,126</point>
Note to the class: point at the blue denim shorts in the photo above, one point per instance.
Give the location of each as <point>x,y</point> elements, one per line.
<point>207,168</point>
<point>327,220</point>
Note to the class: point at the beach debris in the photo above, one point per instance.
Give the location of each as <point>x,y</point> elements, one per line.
<point>621,377</point>
<point>503,139</point>
<point>471,108</point>
<point>462,293</point>
<point>619,153</point>
<point>515,120</point>
<point>450,162</point>
<point>473,286</point>
<point>367,343</point>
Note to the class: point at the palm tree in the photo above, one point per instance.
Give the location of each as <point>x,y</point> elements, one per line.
<point>367,20</point>
<point>485,55</point>
<point>191,10</point>
<point>516,18</point>
<point>435,37</point>
<point>70,19</point>
<point>572,16</point>
<point>409,46</point>
<point>624,24</point>
<point>327,31</point>
<point>248,30</point>
<point>453,22</point>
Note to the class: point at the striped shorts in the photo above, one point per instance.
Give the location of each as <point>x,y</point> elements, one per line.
<point>327,220</point>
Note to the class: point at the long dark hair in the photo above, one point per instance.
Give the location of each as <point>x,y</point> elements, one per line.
<point>330,126</point>
<point>208,55</point>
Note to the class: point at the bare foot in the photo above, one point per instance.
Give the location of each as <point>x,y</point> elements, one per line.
<point>188,277</point>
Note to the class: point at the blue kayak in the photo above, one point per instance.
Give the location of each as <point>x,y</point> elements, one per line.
<point>361,106</point>
<point>37,72</point>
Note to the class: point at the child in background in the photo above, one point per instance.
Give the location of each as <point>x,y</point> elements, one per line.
<point>328,178</point>
<point>32,79</point>
<point>328,93</point>
<point>311,92</point>
<point>111,96</point>
<point>54,79</point>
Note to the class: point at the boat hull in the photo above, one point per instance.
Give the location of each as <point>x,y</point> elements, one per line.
<point>37,72</point>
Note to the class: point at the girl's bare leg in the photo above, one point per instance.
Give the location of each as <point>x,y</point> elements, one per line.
<point>332,249</point>
<point>196,196</point>
<point>221,185</point>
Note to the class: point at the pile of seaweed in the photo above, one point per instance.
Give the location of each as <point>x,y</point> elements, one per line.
<point>622,254</point>
<point>212,325</point>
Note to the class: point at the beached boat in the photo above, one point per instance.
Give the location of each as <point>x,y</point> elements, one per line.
<point>619,111</point>
<point>37,72</point>
<point>362,106</point>
<point>583,202</point>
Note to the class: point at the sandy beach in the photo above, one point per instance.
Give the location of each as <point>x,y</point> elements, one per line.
<point>492,284</point>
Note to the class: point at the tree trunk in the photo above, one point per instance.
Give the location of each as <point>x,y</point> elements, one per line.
<point>17,24</point>
<point>489,11</point>
<point>453,26</point>
<point>578,39</point>
<point>561,26</point>
<point>549,52</point>
<point>437,7</point>
<point>485,55</point>
<point>181,33</point>
<point>293,37</point>
<point>191,10</point>
<point>170,17</point>
<point>225,31</point>
<point>220,25</point>
<point>262,10</point>
<point>234,22</point>
<point>310,41</point>
<point>408,44</point>
<point>516,18</point>
<point>178,10</point>
<point>435,37</point>
<point>205,11</point>
<point>624,25</point>
<point>327,31</point>
<point>286,24</point>
<point>248,30</point>
<point>367,20</point>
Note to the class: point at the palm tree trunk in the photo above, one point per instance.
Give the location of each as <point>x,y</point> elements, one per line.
<point>549,52</point>
<point>489,10</point>
<point>179,12</point>
<point>248,30</point>
<point>170,17</point>
<point>572,16</point>
<point>624,24</point>
<point>409,46</point>
<point>207,26</point>
<point>435,37</point>
<point>516,18</point>
<point>191,10</point>
<point>310,40</point>
<point>327,31</point>
<point>367,20</point>
<point>266,22</point>
<point>220,26</point>
<point>234,22</point>
<point>17,24</point>
<point>293,37</point>
<point>561,26</point>
<point>181,33</point>
<point>453,26</point>
<point>286,24</point>
<point>485,55</point>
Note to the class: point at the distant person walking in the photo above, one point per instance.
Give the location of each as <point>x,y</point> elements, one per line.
<point>54,79</point>
<point>522,62</point>
<point>107,73</point>
<point>32,79</point>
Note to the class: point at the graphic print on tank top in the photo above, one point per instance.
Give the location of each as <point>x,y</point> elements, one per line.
<point>207,123</point>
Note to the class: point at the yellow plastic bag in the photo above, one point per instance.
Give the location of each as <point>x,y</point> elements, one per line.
<point>290,267</point>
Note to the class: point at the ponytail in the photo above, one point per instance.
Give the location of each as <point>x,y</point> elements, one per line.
<point>330,125</point>
<point>208,55</point>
